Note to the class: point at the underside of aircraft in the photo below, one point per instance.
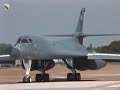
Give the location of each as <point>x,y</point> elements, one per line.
<point>37,53</point>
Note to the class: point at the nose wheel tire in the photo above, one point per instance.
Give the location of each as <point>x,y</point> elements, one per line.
<point>27,79</point>
<point>42,77</point>
<point>73,77</point>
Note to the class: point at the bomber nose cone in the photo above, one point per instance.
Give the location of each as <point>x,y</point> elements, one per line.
<point>15,53</point>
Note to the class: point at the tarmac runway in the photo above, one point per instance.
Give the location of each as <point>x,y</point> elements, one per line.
<point>81,85</point>
<point>107,78</point>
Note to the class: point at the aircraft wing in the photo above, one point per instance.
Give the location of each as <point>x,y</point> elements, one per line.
<point>6,59</point>
<point>104,56</point>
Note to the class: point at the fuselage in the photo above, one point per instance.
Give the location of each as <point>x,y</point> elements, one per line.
<point>33,47</point>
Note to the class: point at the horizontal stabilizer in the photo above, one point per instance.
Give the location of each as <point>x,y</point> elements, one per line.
<point>86,35</point>
<point>82,35</point>
<point>67,35</point>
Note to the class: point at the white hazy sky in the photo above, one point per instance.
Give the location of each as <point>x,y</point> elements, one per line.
<point>39,17</point>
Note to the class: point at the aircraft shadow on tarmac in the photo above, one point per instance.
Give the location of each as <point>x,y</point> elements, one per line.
<point>60,80</point>
<point>51,80</point>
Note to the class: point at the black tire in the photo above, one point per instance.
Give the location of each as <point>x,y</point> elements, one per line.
<point>78,76</point>
<point>27,79</point>
<point>46,78</point>
<point>38,78</point>
<point>73,77</point>
<point>70,77</point>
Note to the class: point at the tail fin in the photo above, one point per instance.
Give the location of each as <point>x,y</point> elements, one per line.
<point>79,28</point>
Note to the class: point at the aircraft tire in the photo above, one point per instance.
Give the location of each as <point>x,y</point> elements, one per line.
<point>46,78</point>
<point>42,77</point>
<point>73,77</point>
<point>38,77</point>
<point>78,77</point>
<point>27,79</point>
<point>69,76</point>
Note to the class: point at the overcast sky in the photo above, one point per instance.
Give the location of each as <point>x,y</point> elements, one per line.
<point>39,17</point>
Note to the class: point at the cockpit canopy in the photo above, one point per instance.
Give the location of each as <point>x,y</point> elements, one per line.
<point>24,40</point>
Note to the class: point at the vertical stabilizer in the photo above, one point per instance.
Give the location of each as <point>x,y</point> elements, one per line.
<point>79,28</point>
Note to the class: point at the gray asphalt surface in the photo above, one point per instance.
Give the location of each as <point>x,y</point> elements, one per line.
<point>81,85</point>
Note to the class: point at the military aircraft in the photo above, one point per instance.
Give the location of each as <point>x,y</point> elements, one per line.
<point>38,53</point>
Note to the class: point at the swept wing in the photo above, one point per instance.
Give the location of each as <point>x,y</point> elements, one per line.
<point>105,56</point>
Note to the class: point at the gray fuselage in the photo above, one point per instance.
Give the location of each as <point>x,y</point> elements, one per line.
<point>40,48</point>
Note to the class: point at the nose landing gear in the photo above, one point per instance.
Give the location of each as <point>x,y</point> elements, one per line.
<point>27,79</point>
<point>27,66</point>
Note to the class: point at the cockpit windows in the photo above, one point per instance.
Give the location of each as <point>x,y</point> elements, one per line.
<point>19,40</point>
<point>30,40</point>
<point>24,40</point>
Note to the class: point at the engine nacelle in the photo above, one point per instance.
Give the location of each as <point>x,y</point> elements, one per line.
<point>96,64</point>
<point>41,64</point>
<point>84,64</point>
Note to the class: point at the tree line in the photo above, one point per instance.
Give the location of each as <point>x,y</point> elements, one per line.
<point>5,48</point>
<point>113,47</point>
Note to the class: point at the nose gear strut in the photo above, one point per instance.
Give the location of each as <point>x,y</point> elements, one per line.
<point>27,66</point>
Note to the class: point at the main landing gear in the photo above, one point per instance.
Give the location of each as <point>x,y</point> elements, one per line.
<point>27,66</point>
<point>74,76</point>
<point>42,77</point>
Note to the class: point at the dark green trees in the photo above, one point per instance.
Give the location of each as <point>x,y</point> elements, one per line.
<point>5,48</point>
